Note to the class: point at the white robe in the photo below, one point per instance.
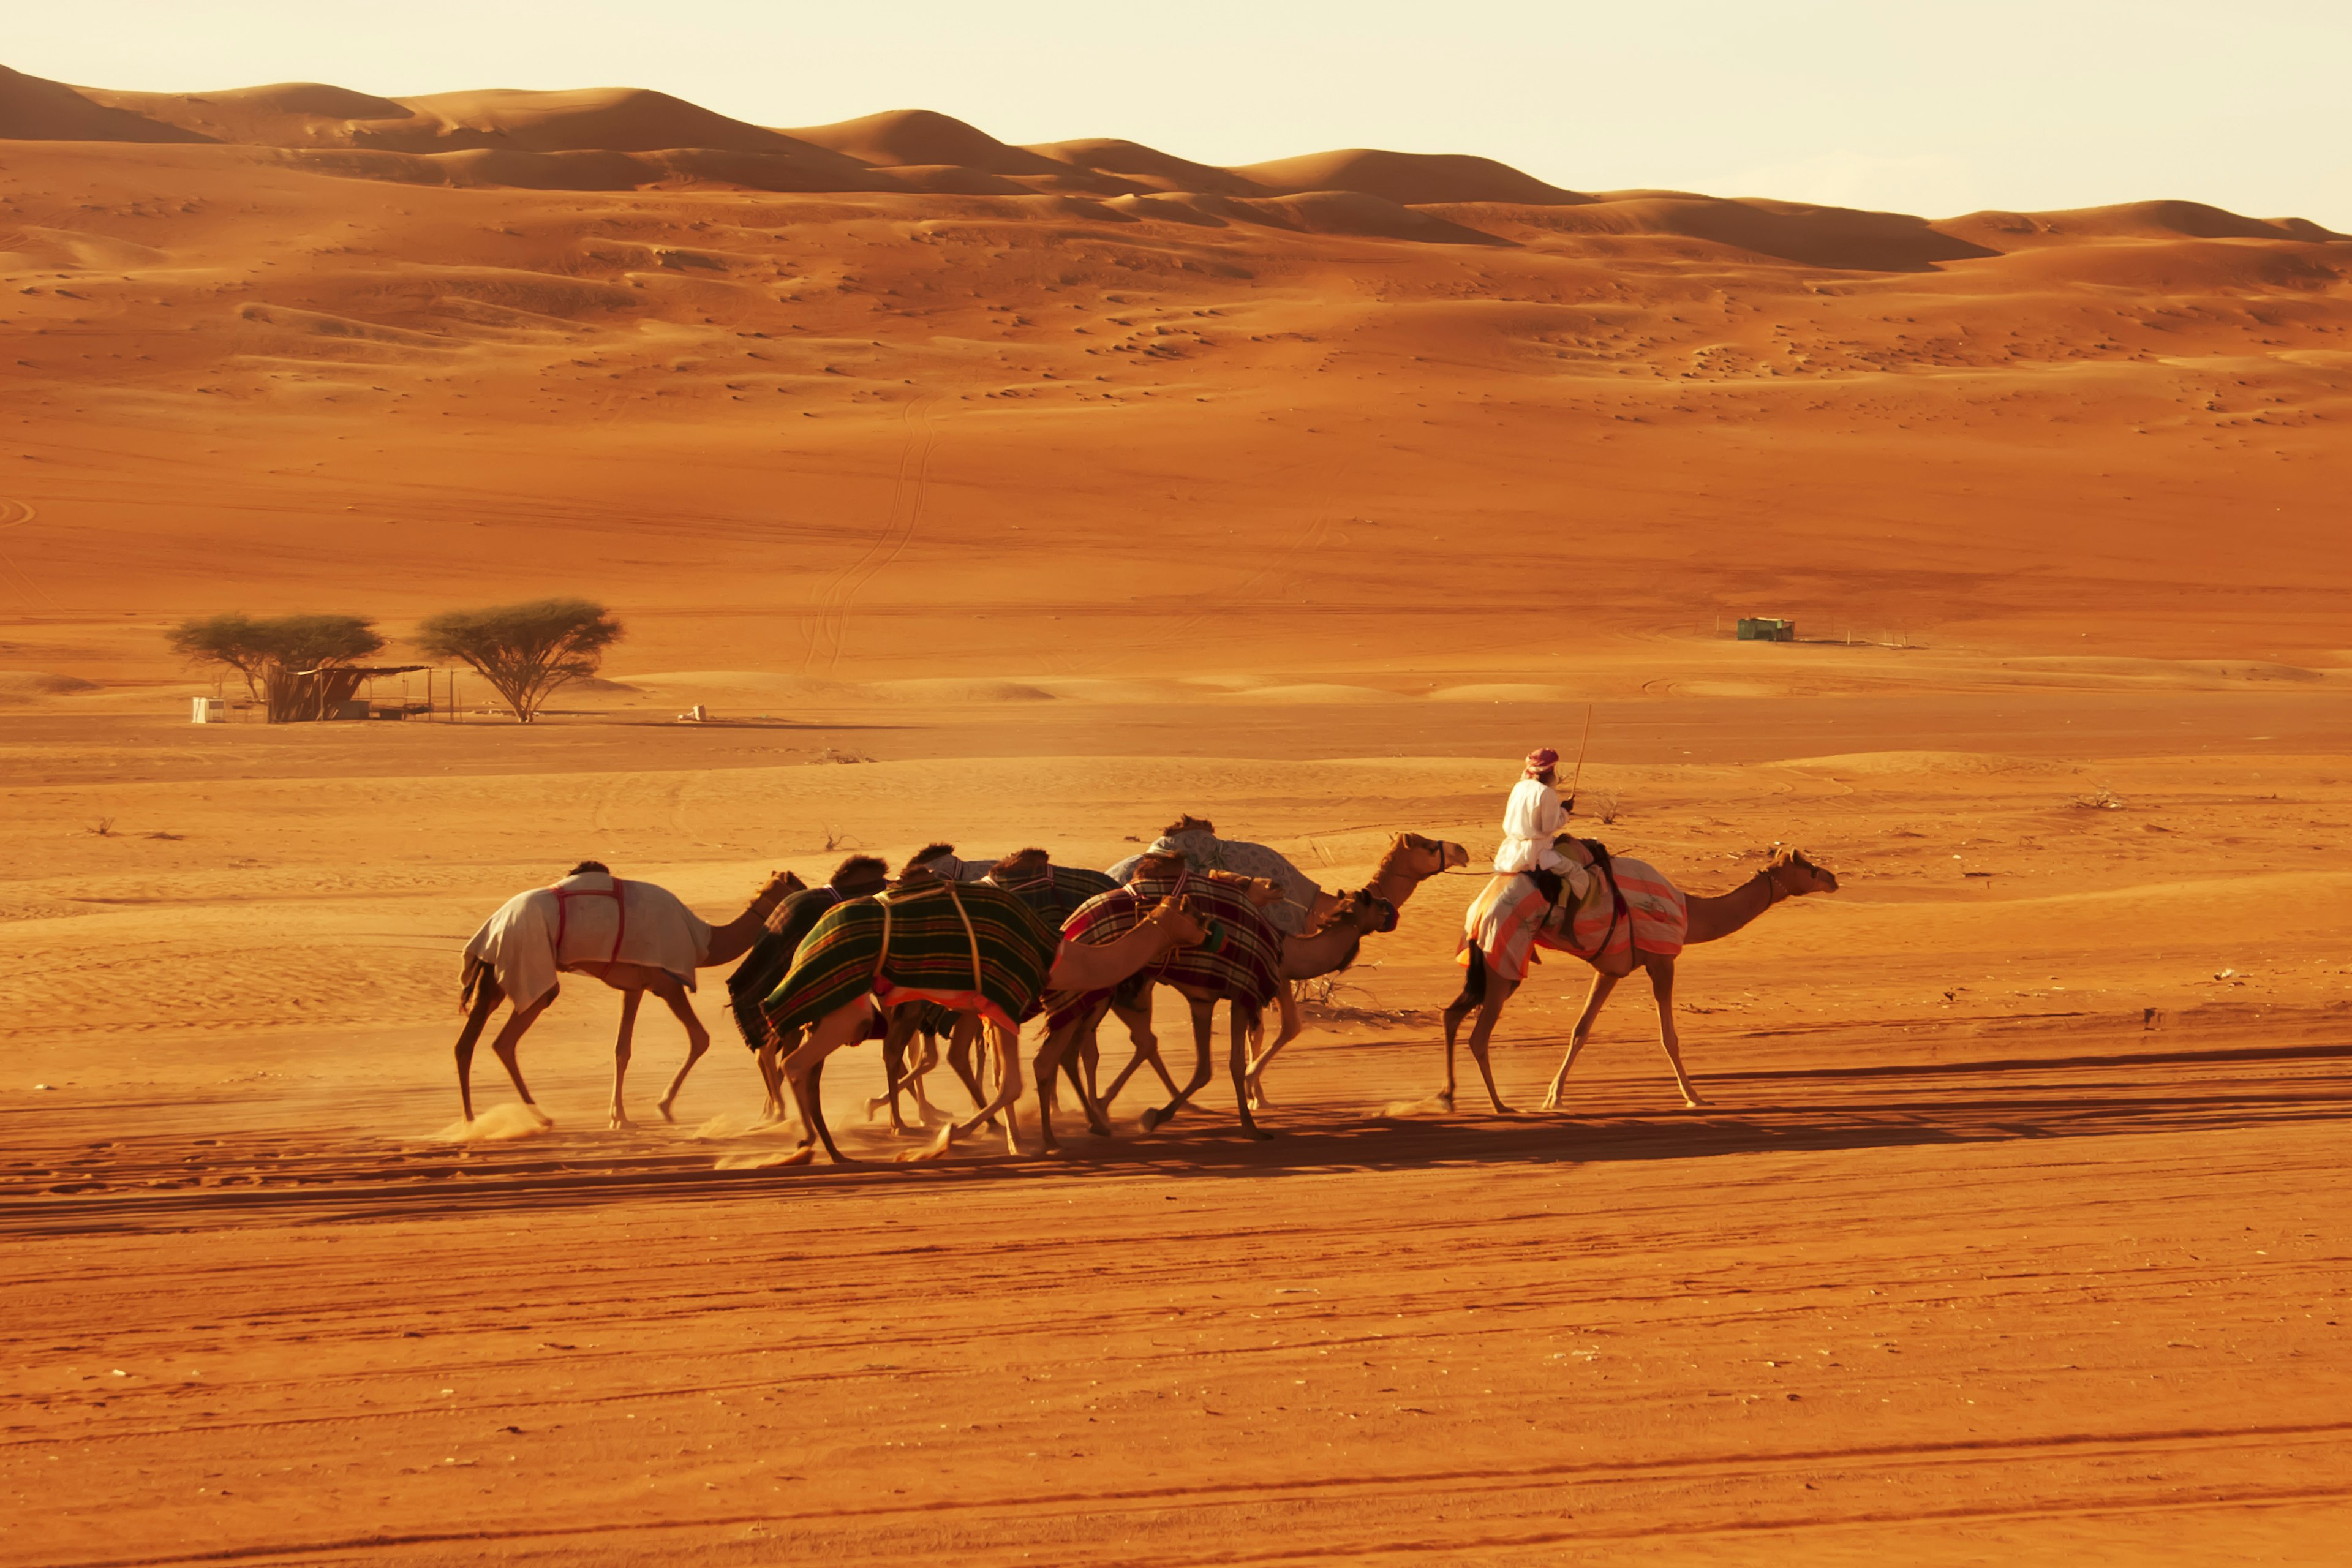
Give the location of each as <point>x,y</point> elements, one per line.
<point>1532,820</point>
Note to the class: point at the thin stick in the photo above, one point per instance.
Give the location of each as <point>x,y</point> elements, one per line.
<point>1580,757</point>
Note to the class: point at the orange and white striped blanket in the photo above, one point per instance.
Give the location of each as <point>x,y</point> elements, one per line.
<point>1510,918</point>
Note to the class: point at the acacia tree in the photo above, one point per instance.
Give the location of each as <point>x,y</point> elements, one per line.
<point>281,657</point>
<point>524,651</point>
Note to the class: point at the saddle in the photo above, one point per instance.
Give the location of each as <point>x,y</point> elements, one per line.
<point>1554,887</point>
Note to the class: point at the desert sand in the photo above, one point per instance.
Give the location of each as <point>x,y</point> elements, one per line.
<point>1011,495</point>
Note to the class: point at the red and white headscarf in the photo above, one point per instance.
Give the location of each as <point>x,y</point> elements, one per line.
<point>1541,759</point>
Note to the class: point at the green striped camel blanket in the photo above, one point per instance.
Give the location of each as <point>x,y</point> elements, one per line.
<point>771,959</point>
<point>1055,894</point>
<point>1241,961</point>
<point>971,948</point>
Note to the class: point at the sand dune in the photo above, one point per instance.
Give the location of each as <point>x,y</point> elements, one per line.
<point>918,136</point>
<point>1132,161</point>
<point>36,109</point>
<point>1409,178</point>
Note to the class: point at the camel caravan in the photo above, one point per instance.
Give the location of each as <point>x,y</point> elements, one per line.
<point>945,964</point>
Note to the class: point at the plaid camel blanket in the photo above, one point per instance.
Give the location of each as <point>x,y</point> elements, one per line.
<point>1241,961</point>
<point>1055,895</point>
<point>771,959</point>
<point>1511,918</point>
<point>971,948</point>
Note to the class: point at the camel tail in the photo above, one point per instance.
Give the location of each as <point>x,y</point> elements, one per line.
<point>477,974</point>
<point>1473,980</point>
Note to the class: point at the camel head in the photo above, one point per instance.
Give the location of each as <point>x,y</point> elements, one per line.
<point>1261,892</point>
<point>1178,923</point>
<point>1796,876</point>
<point>780,885</point>
<point>1021,868</point>
<point>1151,866</point>
<point>918,867</point>
<point>1414,858</point>
<point>1187,823</point>
<point>1368,913</point>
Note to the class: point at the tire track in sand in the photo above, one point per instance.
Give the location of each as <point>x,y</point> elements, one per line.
<point>826,627</point>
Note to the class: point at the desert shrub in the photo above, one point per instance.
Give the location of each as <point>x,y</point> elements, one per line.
<point>282,659</point>
<point>525,651</point>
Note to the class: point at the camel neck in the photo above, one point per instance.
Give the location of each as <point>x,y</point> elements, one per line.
<point>1329,950</point>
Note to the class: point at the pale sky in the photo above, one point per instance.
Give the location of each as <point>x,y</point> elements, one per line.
<point>1930,106</point>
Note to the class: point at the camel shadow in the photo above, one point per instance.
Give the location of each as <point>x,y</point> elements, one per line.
<point>1891,1105</point>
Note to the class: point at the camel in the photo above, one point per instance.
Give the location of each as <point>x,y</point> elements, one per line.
<point>532,947</point>
<point>1411,860</point>
<point>1237,966</point>
<point>1054,892</point>
<point>1329,950</point>
<point>975,947</point>
<point>1788,875</point>
<point>771,958</point>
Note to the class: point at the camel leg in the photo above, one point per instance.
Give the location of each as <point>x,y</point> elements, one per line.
<point>1005,1048</point>
<point>926,1113</point>
<point>698,1040</point>
<point>1008,1058</point>
<point>1601,985</point>
<point>1085,1061</point>
<point>1147,1049</point>
<point>896,1031</point>
<point>1203,1010</point>
<point>771,1080</point>
<point>1078,1064</point>
<point>1048,1067</point>
<point>1662,987</point>
<point>1474,991</point>
<point>961,1041</point>
<point>1292,1027</point>
<point>805,1072</point>
<point>1490,1012</point>
<point>486,997</point>
<point>1059,1054</point>
<point>1239,1065</point>
<point>619,1121</point>
<point>511,1037</point>
<point>960,1063</point>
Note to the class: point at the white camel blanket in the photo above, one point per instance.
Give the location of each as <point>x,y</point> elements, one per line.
<point>537,934</point>
<point>1207,852</point>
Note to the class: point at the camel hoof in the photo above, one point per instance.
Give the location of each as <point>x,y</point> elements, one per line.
<point>1691,1102</point>
<point>800,1156</point>
<point>1150,1117</point>
<point>938,1149</point>
<point>664,1109</point>
<point>620,1124</point>
<point>1260,1134</point>
<point>1442,1100</point>
<point>874,1108</point>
